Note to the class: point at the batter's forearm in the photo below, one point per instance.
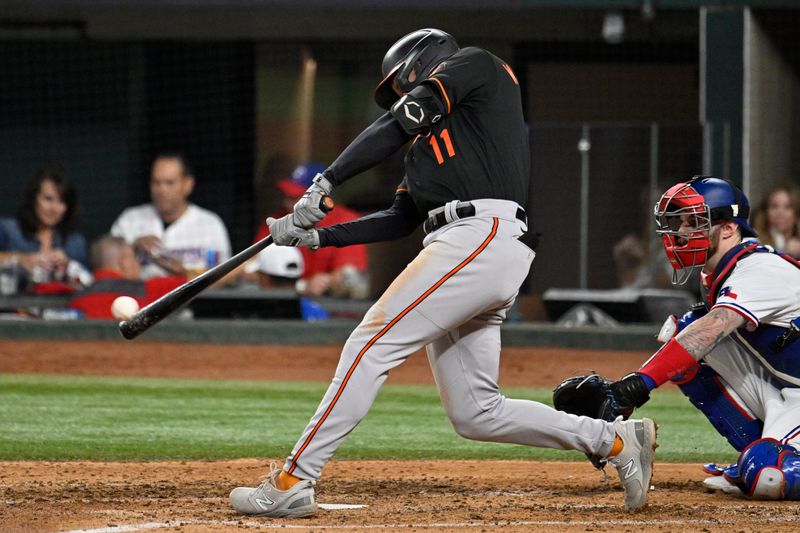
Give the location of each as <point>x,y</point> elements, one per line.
<point>398,221</point>
<point>381,139</point>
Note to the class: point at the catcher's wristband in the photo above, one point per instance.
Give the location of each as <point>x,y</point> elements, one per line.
<point>672,359</point>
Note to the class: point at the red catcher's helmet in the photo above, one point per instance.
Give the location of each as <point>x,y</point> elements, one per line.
<point>700,202</point>
<point>411,60</point>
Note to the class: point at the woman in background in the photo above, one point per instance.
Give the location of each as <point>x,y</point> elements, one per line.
<point>777,219</point>
<point>42,237</point>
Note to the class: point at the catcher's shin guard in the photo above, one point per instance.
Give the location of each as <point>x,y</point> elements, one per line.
<point>767,470</point>
<point>709,393</point>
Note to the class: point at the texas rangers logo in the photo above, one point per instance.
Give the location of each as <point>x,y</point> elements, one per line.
<point>727,291</point>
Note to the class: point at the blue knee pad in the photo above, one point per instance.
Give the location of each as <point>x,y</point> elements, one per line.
<point>705,390</point>
<point>767,470</point>
<point>789,463</point>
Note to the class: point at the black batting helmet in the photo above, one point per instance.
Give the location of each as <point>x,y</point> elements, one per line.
<point>411,60</point>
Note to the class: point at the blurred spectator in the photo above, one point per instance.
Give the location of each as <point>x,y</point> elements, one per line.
<point>172,235</point>
<point>633,252</point>
<point>777,219</point>
<point>328,271</point>
<point>42,239</point>
<point>632,260</point>
<point>280,267</point>
<point>117,273</point>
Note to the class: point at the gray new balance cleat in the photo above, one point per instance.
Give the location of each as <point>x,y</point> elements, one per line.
<point>635,462</point>
<point>268,500</point>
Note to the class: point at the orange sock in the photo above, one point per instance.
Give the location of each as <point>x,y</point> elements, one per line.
<point>286,481</point>
<point>616,447</point>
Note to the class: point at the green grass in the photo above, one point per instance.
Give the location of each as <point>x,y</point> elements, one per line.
<point>64,417</point>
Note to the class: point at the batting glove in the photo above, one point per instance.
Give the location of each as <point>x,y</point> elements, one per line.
<point>285,233</point>
<point>307,210</point>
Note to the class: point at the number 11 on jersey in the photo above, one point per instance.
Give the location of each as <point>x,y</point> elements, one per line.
<point>448,144</point>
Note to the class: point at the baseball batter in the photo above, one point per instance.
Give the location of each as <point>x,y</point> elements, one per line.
<point>737,356</point>
<point>467,177</point>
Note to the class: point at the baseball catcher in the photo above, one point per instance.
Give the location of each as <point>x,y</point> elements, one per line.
<point>736,355</point>
<point>466,182</point>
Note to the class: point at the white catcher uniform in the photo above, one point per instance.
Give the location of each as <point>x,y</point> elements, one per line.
<point>451,299</point>
<point>196,235</point>
<point>764,383</point>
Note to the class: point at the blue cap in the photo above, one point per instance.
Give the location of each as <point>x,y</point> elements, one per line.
<point>301,179</point>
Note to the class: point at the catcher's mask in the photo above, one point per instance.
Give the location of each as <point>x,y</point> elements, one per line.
<point>410,61</point>
<point>684,216</point>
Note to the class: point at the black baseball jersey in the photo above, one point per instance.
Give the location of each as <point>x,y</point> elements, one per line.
<point>478,145</point>
<point>469,141</point>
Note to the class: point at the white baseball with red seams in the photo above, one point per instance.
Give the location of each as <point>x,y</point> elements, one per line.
<point>124,307</point>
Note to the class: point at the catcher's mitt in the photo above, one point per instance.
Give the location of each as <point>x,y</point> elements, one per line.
<point>596,397</point>
<point>588,396</point>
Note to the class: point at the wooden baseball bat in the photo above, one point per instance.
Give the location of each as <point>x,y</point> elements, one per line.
<point>151,314</point>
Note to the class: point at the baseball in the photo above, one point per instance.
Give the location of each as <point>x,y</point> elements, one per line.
<point>124,307</point>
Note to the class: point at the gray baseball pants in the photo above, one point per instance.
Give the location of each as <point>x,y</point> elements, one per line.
<point>452,299</point>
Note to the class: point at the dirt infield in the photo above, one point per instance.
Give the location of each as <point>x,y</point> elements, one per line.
<point>399,495</point>
<point>526,367</point>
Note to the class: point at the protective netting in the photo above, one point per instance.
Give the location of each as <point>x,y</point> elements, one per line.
<point>246,112</point>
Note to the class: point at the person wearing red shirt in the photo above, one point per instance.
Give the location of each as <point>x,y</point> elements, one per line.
<point>117,273</point>
<point>328,271</point>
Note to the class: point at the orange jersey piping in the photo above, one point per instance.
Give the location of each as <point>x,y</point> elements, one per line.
<point>441,87</point>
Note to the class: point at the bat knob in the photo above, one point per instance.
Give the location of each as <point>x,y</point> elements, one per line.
<point>135,326</point>
<point>326,204</point>
<point>125,327</point>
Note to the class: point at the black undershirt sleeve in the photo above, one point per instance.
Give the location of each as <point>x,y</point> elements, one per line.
<point>400,220</point>
<point>381,139</point>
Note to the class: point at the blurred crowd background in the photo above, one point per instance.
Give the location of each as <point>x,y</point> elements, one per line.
<point>623,98</point>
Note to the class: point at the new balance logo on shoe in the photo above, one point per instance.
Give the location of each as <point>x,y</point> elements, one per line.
<point>264,503</point>
<point>629,469</point>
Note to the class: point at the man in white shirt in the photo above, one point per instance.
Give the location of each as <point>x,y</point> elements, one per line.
<point>171,235</point>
